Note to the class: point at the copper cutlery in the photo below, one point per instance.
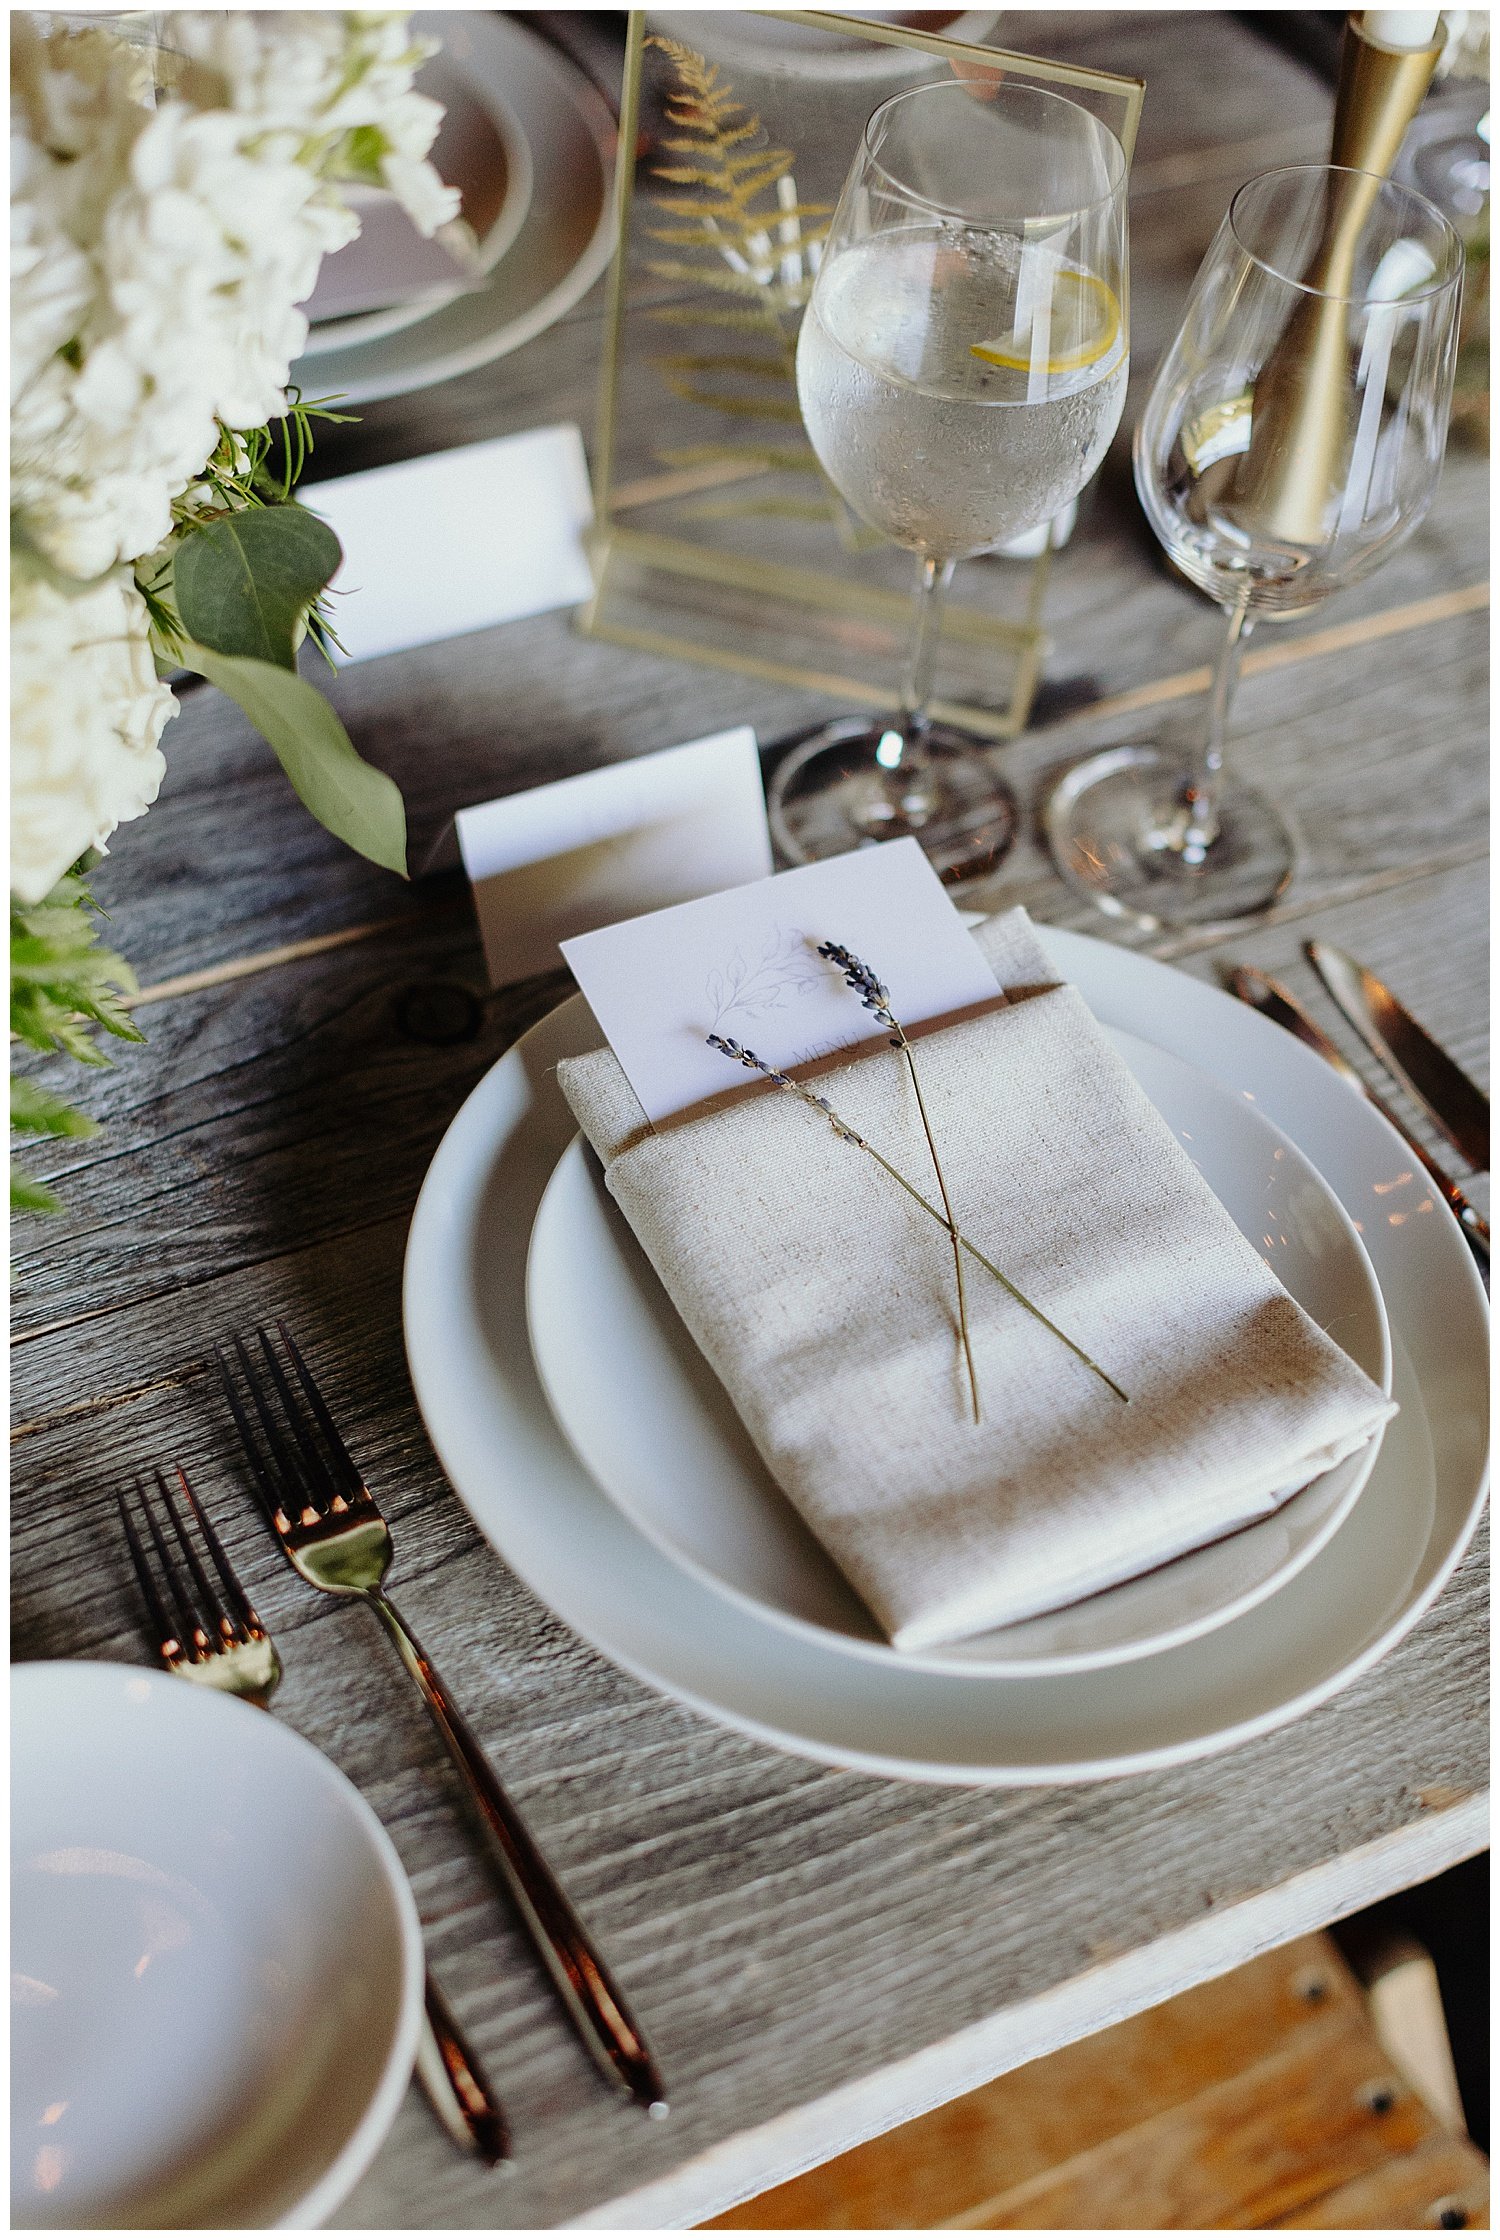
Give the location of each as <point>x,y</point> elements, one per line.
<point>1275,1002</point>
<point>207,1631</point>
<point>1456,1108</point>
<point>333,1534</point>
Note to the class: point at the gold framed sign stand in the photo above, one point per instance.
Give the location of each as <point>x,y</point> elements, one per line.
<point>725,545</point>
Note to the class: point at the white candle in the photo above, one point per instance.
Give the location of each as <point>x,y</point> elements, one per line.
<point>1408,29</point>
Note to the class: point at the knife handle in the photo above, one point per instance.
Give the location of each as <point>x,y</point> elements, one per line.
<point>1476,1233</point>
<point>1468,1216</point>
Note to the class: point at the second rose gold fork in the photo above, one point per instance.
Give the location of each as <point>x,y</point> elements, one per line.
<point>333,1534</point>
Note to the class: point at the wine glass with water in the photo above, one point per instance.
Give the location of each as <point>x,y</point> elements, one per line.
<point>961,369</point>
<point>1291,441</point>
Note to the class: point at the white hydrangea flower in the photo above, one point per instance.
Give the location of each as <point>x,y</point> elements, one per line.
<point>162,251</point>
<point>86,711</point>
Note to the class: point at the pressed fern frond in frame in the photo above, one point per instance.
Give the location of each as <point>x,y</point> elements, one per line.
<point>744,233</point>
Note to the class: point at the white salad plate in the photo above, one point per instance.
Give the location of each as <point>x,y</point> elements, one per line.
<point>478,128</point>
<point>216,1961</point>
<point>655,1428</point>
<point>560,140</point>
<point>496,1436</point>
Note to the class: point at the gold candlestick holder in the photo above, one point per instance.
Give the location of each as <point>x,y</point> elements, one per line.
<point>1304,402</point>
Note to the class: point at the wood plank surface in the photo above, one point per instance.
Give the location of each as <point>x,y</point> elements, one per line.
<point>1443,2177</point>
<point>950,2167</point>
<point>814,1953</point>
<point>1263,2100</point>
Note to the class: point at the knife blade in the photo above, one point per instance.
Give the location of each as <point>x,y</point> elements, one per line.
<point>1445,1093</point>
<point>1275,1002</point>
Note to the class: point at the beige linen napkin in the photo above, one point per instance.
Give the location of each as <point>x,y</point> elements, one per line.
<point>824,1300</point>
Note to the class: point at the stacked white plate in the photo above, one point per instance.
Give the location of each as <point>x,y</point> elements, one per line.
<point>599,1456</point>
<point>524,122</point>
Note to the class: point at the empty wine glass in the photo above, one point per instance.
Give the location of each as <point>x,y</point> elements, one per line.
<point>1291,441</point>
<point>961,369</point>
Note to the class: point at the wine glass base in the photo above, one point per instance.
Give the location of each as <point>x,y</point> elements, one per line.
<point>830,794</point>
<point>1115,827</point>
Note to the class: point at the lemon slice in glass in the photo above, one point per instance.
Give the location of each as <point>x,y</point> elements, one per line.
<point>1085,309</point>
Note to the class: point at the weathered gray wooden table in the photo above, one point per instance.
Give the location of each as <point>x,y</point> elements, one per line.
<point>815,1954</point>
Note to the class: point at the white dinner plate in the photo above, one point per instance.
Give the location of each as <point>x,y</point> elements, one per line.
<point>464,1312</point>
<point>216,1961</point>
<point>653,1425</point>
<point>478,127</point>
<point>564,241</point>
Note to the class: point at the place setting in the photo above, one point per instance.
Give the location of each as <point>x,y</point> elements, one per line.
<point>885,1325</point>
<point>537,1327</point>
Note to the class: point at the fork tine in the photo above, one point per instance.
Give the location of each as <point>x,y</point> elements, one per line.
<point>354,1484</point>
<point>192,1632</point>
<point>170,1632</point>
<point>312,1455</point>
<point>277,1487</point>
<point>226,1623</point>
<point>234,1594</point>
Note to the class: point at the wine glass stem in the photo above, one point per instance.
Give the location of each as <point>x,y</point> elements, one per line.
<point>900,749</point>
<point>1200,795</point>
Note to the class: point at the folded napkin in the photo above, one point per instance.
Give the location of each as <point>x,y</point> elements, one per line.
<point>824,1300</point>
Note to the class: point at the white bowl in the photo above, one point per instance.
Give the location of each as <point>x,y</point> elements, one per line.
<point>216,1960</point>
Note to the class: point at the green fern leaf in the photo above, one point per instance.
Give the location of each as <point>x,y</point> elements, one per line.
<point>62,986</point>
<point>36,1111</point>
<point>27,1196</point>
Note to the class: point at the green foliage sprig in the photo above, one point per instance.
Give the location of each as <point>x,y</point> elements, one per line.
<point>62,985</point>
<point>232,593</point>
<point>240,581</point>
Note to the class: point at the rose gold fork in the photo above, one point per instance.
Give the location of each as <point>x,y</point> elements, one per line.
<point>207,1631</point>
<point>332,1533</point>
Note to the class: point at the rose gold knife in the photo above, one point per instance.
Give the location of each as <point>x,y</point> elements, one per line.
<point>1274,1002</point>
<point>1445,1093</point>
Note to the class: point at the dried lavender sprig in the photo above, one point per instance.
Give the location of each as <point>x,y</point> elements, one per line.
<point>847,1134</point>
<point>876,998</point>
<point>872,993</point>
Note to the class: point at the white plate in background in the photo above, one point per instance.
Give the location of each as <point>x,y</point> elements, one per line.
<point>480,137</point>
<point>565,240</point>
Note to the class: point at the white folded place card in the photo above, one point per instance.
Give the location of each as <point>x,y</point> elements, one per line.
<point>560,859</point>
<point>745,965</point>
<point>459,540</point>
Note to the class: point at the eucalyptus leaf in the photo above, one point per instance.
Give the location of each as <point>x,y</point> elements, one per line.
<point>243,583</point>
<point>357,803</point>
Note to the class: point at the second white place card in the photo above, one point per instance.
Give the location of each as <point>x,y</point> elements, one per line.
<point>459,540</point>
<point>583,851</point>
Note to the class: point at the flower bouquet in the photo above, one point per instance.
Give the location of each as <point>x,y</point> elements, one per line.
<point>171,204</point>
